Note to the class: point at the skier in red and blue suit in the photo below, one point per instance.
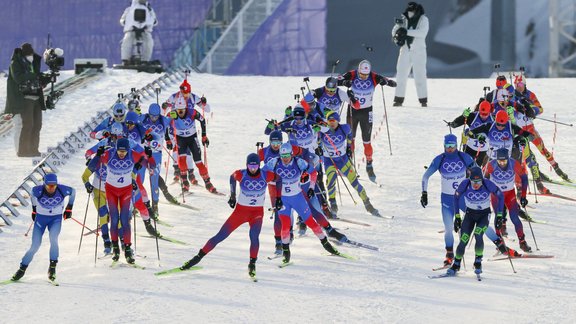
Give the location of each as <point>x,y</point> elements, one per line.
<point>248,208</point>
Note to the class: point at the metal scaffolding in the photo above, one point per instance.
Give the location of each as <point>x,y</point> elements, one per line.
<point>562,17</point>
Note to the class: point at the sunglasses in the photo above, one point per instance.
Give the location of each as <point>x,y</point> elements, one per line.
<point>253,167</point>
<point>50,186</point>
<point>451,145</point>
<point>331,90</point>
<point>500,125</point>
<point>286,156</point>
<point>130,123</point>
<point>276,143</point>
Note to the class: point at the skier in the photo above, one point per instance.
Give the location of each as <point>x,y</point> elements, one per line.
<point>474,119</point>
<point>363,83</point>
<point>247,209</point>
<point>502,172</point>
<point>527,109</point>
<point>475,193</point>
<point>157,130</point>
<point>118,115</point>
<point>452,166</point>
<point>337,152</point>
<point>183,124</point>
<point>122,163</point>
<point>47,212</point>
<point>288,170</point>
<point>501,83</point>
<point>410,35</point>
<point>266,154</point>
<point>332,97</point>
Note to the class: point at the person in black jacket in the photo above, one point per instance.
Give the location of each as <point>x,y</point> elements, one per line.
<point>25,98</point>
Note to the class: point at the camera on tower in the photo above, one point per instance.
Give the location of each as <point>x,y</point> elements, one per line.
<point>54,58</point>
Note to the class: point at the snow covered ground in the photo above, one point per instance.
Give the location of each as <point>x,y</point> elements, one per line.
<point>380,287</point>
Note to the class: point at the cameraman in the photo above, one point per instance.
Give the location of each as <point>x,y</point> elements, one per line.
<point>409,33</point>
<point>25,99</point>
<point>138,20</point>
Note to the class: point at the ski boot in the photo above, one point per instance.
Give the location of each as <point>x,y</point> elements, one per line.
<point>326,211</point>
<point>252,268</point>
<point>511,252</point>
<point>194,261</point>
<point>478,264</point>
<point>19,273</point>
<point>328,247</point>
<point>176,173</point>
<point>150,229</point>
<point>107,247</point>
<point>332,232</point>
<point>209,186</point>
<point>185,186</point>
<point>398,101</point>
<point>523,244</point>
<point>150,210</point>
<point>301,227</point>
<point>129,254</point>
<point>449,257</point>
<point>333,207</point>
<point>370,208</point>
<point>191,177</point>
<point>454,268</point>
<point>423,102</point>
<point>544,177</point>
<point>154,213</point>
<point>52,270</point>
<point>560,173</point>
<point>278,248</point>
<point>370,171</point>
<point>286,253</point>
<point>115,251</point>
<point>541,188</point>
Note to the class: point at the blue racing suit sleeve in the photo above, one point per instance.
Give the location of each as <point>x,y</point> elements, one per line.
<point>433,167</point>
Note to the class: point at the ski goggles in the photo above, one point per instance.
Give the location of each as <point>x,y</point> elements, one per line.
<point>476,182</point>
<point>50,186</point>
<point>252,167</point>
<point>500,125</point>
<point>331,90</point>
<point>286,155</point>
<point>450,145</point>
<point>276,143</point>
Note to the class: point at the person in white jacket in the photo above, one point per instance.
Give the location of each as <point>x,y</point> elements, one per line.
<point>138,20</point>
<point>410,34</point>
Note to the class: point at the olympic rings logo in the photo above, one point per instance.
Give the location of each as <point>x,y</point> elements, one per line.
<point>500,136</point>
<point>502,175</point>
<point>330,102</point>
<point>158,129</point>
<point>120,164</point>
<point>50,201</point>
<point>254,184</point>
<point>477,196</point>
<point>102,172</point>
<point>453,166</point>
<point>362,84</point>
<point>188,122</point>
<point>286,173</point>
<point>301,133</point>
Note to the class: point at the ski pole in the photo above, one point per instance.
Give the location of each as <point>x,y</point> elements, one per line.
<point>448,124</point>
<point>156,236</point>
<point>386,118</point>
<point>338,170</point>
<point>306,80</point>
<point>83,226</point>
<point>134,231</point>
<point>29,228</point>
<point>173,159</point>
<point>555,122</point>
<point>531,230</point>
<point>97,220</point>
<point>509,257</point>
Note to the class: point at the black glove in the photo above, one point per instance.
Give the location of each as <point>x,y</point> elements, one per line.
<point>346,83</point>
<point>523,202</point>
<point>89,187</point>
<point>67,212</point>
<point>530,112</point>
<point>400,36</point>
<point>481,139</point>
<point>148,137</point>
<point>452,125</point>
<point>105,133</point>
<point>499,221</point>
<point>134,185</point>
<point>148,151</point>
<point>169,145</point>
<point>232,201</point>
<point>137,166</point>
<point>310,193</point>
<point>88,161</point>
<point>457,223</point>
<point>205,141</point>
<point>164,105</point>
<point>349,151</point>
<point>33,213</point>
<point>424,199</point>
<point>318,151</point>
<point>278,203</point>
<point>203,100</point>
<point>391,83</point>
<point>100,151</point>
